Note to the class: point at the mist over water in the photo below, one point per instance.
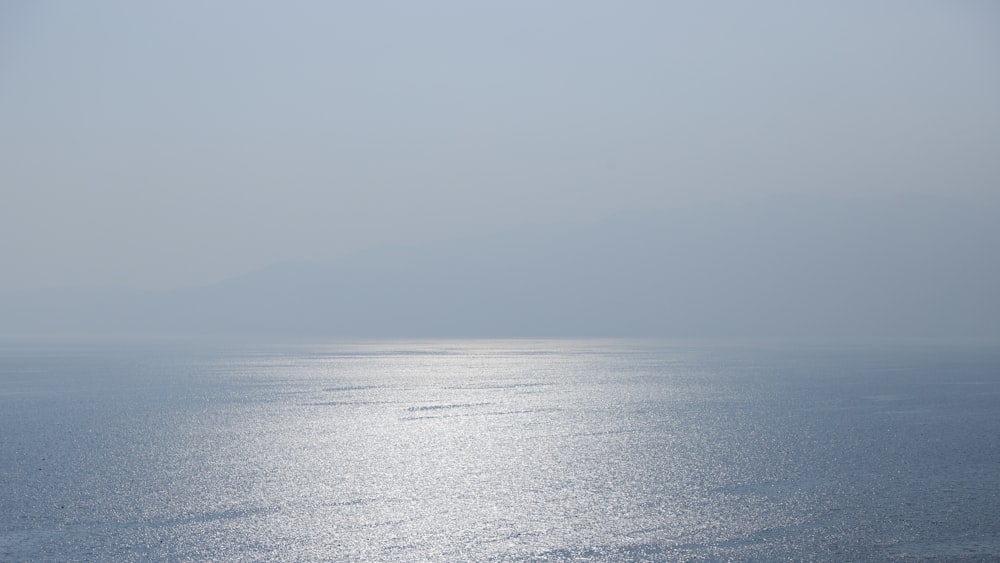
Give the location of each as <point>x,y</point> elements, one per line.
<point>490,449</point>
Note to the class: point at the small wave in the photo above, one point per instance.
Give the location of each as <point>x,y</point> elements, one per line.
<point>448,406</point>
<point>352,388</point>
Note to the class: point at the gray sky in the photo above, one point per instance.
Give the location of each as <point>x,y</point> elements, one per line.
<point>175,143</point>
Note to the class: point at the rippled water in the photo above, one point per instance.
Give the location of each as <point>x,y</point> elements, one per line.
<point>473,450</point>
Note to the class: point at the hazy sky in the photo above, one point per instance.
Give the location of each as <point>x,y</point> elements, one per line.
<point>175,143</point>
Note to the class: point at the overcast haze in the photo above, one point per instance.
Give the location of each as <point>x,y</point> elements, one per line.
<point>162,145</point>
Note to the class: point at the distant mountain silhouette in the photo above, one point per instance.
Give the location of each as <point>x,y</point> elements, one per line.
<point>781,267</point>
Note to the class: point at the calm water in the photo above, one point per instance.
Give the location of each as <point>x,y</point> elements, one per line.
<point>487,450</point>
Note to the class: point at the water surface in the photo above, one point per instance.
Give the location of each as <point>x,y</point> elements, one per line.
<point>520,449</point>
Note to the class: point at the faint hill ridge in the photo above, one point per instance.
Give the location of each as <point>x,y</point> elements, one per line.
<point>913,266</point>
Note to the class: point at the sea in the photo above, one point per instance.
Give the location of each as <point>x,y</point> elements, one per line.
<point>498,450</point>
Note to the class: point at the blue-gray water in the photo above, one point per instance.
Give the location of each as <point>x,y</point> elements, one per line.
<point>487,450</point>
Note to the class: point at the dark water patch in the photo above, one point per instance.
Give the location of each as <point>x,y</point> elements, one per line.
<point>500,386</point>
<point>353,388</point>
<point>434,416</point>
<point>349,403</point>
<point>605,433</point>
<point>447,406</point>
<point>358,502</point>
<point>630,552</point>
